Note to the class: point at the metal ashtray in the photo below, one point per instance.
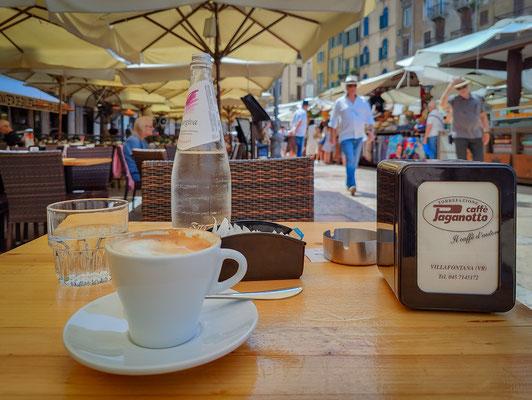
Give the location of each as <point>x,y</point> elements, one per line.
<point>350,246</point>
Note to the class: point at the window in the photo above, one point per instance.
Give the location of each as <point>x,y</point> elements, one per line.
<point>321,56</point>
<point>484,17</point>
<point>355,62</point>
<point>406,46</point>
<point>366,26</point>
<point>383,19</point>
<point>340,39</point>
<point>426,38</point>
<point>406,16</point>
<point>332,67</point>
<point>383,51</point>
<point>339,60</point>
<point>346,66</point>
<point>365,76</point>
<point>357,34</point>
<point>331,42</point>
<point>384,71</point>
<point>427,8</point>
<point>299,92</point>
<point>299,73</point>
<point>320,81</point>
<point>364,57</point>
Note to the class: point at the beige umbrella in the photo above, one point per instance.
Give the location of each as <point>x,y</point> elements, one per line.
<point>154,32</point>
<point>29,40</point>
<point>238,78</point>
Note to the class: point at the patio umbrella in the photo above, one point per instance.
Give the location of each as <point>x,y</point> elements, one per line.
<point>29,40</point>
<point>238,78</point>
<point>245,29</point>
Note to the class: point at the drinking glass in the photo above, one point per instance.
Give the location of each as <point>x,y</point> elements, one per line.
<point>77,231</point>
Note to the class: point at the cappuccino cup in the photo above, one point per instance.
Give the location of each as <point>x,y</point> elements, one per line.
<point>162,277</point>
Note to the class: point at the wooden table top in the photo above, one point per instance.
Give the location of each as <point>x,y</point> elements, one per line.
<point>344,336</point>
<point>75,162</point>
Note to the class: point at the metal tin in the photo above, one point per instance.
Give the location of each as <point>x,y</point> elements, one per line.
<point>429,260</point>
<point>350,246</point>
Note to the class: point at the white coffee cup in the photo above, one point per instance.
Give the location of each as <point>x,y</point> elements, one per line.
<point>162,291</point>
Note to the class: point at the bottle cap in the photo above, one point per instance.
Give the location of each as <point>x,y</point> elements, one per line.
<point>201,59</point>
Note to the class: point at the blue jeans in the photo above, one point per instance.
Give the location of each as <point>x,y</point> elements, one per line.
<point>300,141</point>
<point>433,146</point>
<point>352,149</point>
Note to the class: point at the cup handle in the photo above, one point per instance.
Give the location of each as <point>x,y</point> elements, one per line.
<point>219,287</point>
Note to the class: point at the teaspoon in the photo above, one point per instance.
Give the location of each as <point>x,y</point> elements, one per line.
<point>264,295</point>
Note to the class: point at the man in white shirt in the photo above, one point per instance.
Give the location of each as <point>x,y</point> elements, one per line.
<point>435,123</point>
<point>299,126</point>
<point>350,116</point>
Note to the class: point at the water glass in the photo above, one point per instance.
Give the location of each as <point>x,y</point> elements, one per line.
<point>77,231</point>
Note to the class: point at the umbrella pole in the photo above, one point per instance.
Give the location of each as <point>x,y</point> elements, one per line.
<point>217,68</point>
<point>60,134</point>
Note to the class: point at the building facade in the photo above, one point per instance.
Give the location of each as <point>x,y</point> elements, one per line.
<point>296,82</point>
<point>366,49</point>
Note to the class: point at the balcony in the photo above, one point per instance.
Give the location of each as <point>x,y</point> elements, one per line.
<point>437,11</point>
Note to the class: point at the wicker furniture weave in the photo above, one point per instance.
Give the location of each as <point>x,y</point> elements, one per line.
<point>272,190</point>
<point>170,151</point>
<point>32,180</point>
<point>93,179</point>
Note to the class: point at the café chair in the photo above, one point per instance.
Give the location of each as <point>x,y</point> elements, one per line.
<point>32,180</point>
<point>93,179</point>
<point>141,155</point>
<point>271,189</point>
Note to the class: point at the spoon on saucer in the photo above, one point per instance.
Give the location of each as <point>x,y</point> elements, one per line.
<point>264,295</point>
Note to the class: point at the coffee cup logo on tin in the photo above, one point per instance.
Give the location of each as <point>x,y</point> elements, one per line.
<point>458,214</point>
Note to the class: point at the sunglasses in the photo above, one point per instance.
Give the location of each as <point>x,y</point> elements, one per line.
<point>351,85</point>
<point>462,88</point>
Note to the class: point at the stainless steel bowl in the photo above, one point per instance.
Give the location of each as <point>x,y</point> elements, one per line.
<point>350,246</point>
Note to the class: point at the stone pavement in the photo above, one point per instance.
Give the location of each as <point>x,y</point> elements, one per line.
<point>333,203</point>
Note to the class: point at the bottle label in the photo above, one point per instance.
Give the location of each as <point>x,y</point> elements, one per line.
<point>458,237</point>
<point>201,121</point>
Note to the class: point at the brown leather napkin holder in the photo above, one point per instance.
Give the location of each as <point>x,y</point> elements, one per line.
<point>269,255</point>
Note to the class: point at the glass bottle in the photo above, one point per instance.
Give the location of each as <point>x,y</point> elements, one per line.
<point>201,178</point>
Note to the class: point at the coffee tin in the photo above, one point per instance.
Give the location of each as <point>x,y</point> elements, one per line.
<point>446,233</point>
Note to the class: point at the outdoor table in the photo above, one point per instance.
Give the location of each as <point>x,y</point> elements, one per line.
<point>344,336</point>
<point>68,163</point>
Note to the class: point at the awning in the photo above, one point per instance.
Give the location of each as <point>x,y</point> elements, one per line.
<point>15,94</point>
<point>432,56</point>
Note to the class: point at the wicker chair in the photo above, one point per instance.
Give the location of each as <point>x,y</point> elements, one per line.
<point>273,190</point>
<point>32,180</point>
<point>93,179</point>
<point>170,151</point>
<point>141,155</point>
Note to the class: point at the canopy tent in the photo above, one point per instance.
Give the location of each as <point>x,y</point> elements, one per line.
<point>174,30</point>
<point>507,45</point>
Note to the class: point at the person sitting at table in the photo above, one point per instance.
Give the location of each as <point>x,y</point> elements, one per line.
<point>141,130</point>
<point>8,134</point>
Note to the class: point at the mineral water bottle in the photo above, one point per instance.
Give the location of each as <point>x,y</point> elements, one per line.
<point>201,179</point>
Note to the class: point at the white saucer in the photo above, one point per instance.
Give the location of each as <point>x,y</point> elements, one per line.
<point>96,336</point>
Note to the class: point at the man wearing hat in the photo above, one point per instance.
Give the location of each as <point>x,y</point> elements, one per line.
<point>299,126</point>
<point>470,127</point>
<point>350,116</point>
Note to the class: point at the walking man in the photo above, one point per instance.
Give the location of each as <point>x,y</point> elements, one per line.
<point>299,126</point>
<point>435,123</point>
<point>350,116</point>
<point>470,127</point>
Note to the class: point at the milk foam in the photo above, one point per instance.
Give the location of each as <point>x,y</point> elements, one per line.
<point>161,245</point>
